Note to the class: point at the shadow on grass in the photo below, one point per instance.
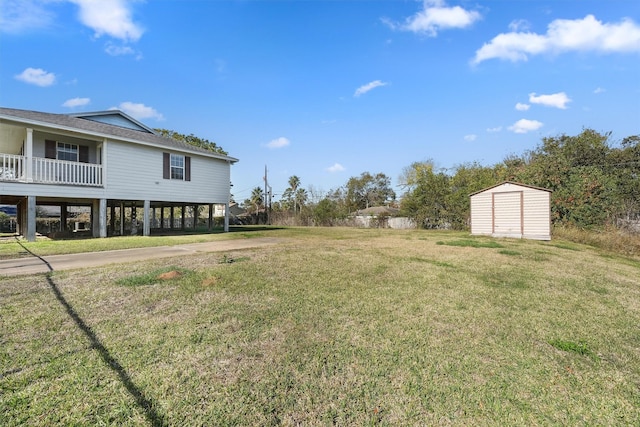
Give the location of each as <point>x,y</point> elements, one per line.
<point>247,228</point>
<point>141,400</point>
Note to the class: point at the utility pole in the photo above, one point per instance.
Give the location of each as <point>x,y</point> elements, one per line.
<point>266,195</point>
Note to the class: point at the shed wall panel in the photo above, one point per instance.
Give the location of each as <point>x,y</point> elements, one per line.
<point>537,215</point>
<point>481,212</point>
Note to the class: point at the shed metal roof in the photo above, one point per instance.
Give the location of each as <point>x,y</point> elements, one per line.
<point>511,182</point>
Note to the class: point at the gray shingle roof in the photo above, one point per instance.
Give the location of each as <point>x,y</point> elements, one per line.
<point>104,130</point>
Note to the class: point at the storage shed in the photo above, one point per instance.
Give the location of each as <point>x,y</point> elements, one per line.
<point>511,209</point>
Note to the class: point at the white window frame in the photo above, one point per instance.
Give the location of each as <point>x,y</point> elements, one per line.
<point>67,150</point>
<point>176,166</point>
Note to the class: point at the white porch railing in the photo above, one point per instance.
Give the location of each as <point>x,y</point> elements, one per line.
<point>50,171</point>
<point>63,172</point>
<point>11,167</point>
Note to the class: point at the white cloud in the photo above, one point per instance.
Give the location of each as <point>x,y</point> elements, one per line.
<point>470,138</point>
<point>522,107</point>
<point>37,76</point>
<point>369,86</point>
<point>524,126</point>
<point>495,129</point>
<point>436,16</point>
<point>337,167</point>
<point>519,25</point>
<point>599,90</point>
<point>557,100</point>
<point>114,50</point>
<point>76,102</point>
<point>18,16</point>
<point>564,35</point>
<point>110,17</point>
<point>278,143</point>
<point>138,111</point>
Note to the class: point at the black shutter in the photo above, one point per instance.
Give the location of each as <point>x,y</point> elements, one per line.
<point>83,154</point>
<point>166,166</point>
<point>187,168</point>
<point>50,149</point>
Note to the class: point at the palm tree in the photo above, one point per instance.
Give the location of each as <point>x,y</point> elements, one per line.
<point>300,198</point>
<point>257,198</point>
<point>290,193</point>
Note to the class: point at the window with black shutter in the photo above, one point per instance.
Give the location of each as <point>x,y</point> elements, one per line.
<point>166,166</point>
<point>83,154</point>
<point>176,166</point>
<point>49,149</point>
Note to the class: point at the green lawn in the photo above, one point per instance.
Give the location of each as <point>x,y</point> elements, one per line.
<point>335,326</point>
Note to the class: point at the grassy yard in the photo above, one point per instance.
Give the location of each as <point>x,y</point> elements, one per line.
<point>10,247</point>
<point>335,326</point>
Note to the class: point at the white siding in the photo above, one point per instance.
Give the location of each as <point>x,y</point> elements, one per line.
<point>481,214</point>
<point>537,214</point>
<point>134,172</point>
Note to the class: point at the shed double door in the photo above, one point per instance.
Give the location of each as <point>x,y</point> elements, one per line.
<point>507,214</point>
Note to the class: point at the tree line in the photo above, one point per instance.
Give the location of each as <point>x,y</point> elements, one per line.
<point>594,182</point>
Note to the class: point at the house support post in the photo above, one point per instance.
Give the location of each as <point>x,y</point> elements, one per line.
<point>161,217</point>
<point>63,217</point>
<point>172,218</point>
<point>210,219</point>
<point>184,208</point>
<point>28,153</point>
<point>146,224</point>
<point>99,218</point>
<point>30,232</point>
<point>195,216</point>
<point>112,220</point>
<point>226,217</point>
<point>20,217</point>
<point>102,218</point>
<point>134,219</point>
<point>122,218</point>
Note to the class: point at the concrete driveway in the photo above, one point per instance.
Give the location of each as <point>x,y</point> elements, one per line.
<point>36,264</point>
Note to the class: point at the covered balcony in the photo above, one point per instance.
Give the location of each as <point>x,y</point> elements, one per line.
<point>28,156</point>
<point>49,171</point>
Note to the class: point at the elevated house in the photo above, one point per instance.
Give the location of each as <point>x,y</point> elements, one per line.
<point>108,161</point>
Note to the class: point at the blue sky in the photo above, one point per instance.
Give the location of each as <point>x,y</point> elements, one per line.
<point>326,90</point>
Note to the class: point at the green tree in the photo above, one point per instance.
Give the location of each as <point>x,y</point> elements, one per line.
<point>257,198</point>
<point>427,191</point>
<point>325,212</point>
<point>624,166</point>
<point>300,198</point>
<point>574,167</point>
<point>368,190</point>
<point>191,139</point>
<point>468,178</point>
<point>290,194</point>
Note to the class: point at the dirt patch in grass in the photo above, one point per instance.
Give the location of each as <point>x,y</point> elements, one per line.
<point>170,275</point>
<point>209,281</point>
